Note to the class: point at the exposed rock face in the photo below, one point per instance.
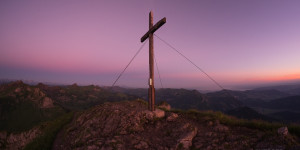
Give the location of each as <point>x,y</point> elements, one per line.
<point>23,92</point>
<point>128,125</point>
<point>283,131</point>
<point>125,125</point>
<point>159,113</point>
<point>38,93</point>
<point>18,140</point>
<point>47,103</point>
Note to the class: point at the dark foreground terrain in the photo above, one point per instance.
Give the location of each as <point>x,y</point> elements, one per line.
<point>90,117</point>
<point>128,125</point>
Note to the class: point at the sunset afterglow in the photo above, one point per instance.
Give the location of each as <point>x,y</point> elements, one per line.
<point>90,42</point>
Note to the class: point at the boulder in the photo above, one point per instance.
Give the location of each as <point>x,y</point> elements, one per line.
<point>165,105</point>
<point>149,114</point>
<point>186,140</point>
<point>159,113</point>
<point>283,131</point>
<point>172,117</point>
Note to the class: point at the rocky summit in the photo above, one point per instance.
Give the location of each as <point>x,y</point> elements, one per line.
<point>129,125</point>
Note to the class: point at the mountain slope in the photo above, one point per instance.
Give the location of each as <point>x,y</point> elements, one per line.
<point>290,89</point>
<point>23,106</point>
<point>74,97</point>
<point>287,116</point>
<point>248,113</point>
<point>290,103</point>
<point>222,101</point>
<point>29,111</point>
<point>265,95</point>
<point>189,99</point>
<point>128,125</point>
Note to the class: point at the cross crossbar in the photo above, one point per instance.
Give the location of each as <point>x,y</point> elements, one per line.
<point>154,28</point>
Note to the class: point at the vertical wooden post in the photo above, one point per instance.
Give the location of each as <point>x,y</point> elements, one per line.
<point>151,68</point>
<point>149,34</point>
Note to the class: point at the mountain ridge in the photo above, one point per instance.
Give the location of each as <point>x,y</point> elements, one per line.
<point>65,100</point>
<point>129,125</point>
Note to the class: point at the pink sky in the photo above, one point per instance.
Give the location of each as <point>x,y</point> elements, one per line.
<point>90,42</point>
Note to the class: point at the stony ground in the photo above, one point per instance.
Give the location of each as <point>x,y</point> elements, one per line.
<point>18,140</point>
<point>128,125</point>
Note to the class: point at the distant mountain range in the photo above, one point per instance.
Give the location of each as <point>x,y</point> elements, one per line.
<point>30,82</point>
<point>242,104</point>
<point>188,99</point>
<point>30,110</point>
<point>289,89</point>
<point>263,103</point>
<point>265,95</point>
<point>248,113</point>
<point>23,106</point>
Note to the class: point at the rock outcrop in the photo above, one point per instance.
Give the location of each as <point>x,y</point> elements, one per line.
<point>126,125</point>
<point>23,92</point>
<point>18,140</point>
<point>129,125</point>
<point>185,141</point>
<point>47,103</point>
<point>165,105</point>
<point>283,131</point>
<point>172,117</point>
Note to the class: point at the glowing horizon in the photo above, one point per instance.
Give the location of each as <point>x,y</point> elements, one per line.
<point>237,43</point>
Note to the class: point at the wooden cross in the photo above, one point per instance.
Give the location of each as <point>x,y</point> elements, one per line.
<point>152,29</point>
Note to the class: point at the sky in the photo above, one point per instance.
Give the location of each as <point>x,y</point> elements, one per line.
<point>238,43</point>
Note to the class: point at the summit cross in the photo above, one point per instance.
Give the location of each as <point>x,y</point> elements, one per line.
<point>149,34</point>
